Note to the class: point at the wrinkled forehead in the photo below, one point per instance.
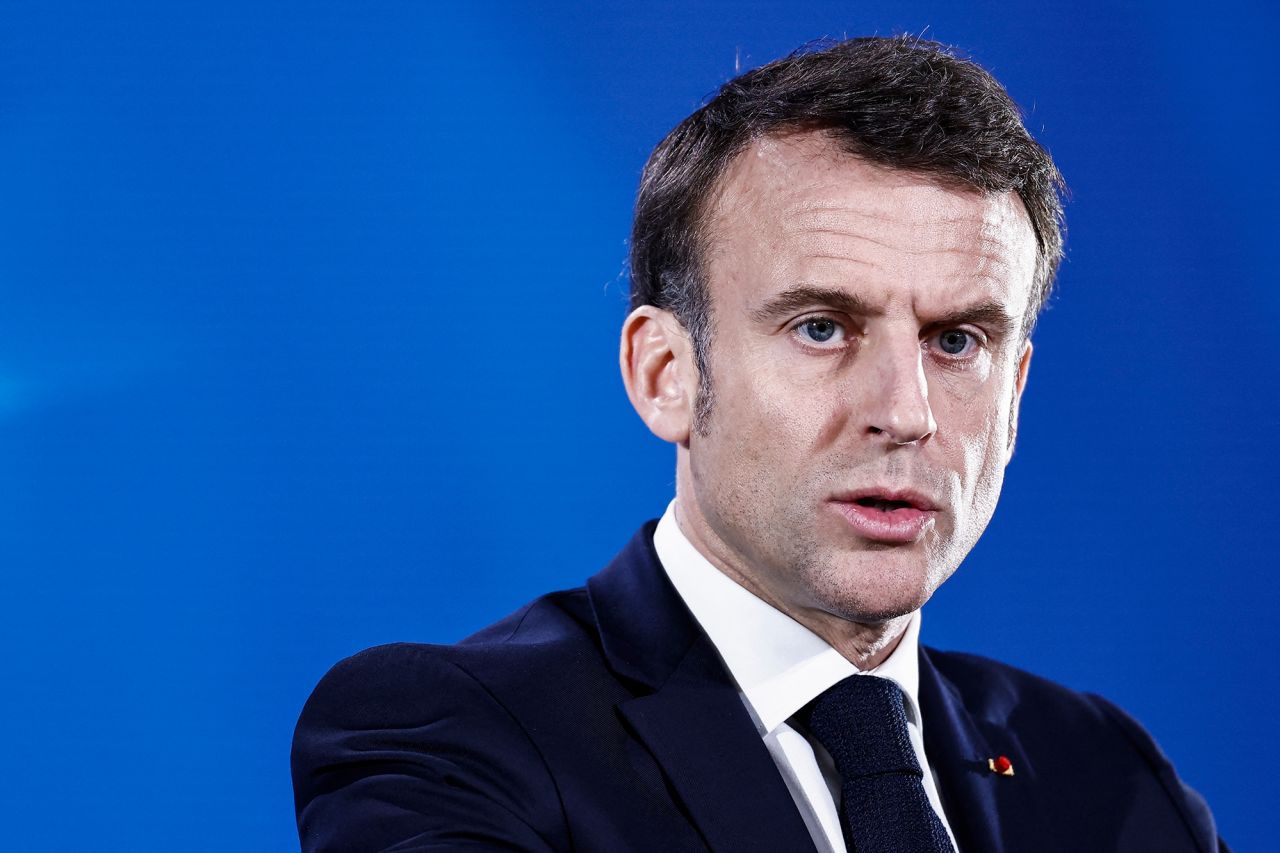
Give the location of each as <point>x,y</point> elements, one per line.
<point>801,196</point>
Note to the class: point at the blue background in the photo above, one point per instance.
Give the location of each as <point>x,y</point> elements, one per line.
<point>308,319</point>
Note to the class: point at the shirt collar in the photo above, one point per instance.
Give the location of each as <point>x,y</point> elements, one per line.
<point>779,665</point>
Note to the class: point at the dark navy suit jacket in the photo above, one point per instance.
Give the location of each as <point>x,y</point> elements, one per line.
<point>601,719</point>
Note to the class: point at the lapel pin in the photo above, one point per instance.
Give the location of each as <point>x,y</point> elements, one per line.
<point>1001,765</point>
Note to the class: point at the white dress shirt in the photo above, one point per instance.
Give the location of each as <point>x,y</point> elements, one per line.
<point>780,666</point>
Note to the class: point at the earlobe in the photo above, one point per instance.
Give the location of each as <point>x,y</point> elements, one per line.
<point>1019,385</point>
<point>653,356</point>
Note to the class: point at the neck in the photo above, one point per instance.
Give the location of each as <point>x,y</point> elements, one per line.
<point>866,646</point>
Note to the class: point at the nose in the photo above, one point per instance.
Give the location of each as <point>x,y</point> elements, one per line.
<point>896,400</point>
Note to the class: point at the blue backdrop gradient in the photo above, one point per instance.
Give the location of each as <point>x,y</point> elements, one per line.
<point>308,342</point>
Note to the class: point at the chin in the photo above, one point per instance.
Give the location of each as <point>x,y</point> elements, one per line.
<point>871,595</point>
<point>876,605</point>
<point>874,612</point>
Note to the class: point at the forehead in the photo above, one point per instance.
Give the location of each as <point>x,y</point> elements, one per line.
<point>798,207</point>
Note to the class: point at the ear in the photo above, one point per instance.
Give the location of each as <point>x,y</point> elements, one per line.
<point>1019,384</point>
<point>657,367</point>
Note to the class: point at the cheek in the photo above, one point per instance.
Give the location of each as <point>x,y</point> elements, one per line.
<point>773,412</point>
<point>767,429</point>
<point>979,440</point>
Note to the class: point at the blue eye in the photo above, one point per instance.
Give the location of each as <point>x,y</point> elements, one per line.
<point>819,330</point>
<point>954,341</point>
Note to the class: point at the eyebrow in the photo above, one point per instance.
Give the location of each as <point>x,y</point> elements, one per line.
<point>988,315</point>
<point>793,299</point>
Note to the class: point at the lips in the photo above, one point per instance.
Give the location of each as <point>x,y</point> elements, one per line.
<point>896,516</point>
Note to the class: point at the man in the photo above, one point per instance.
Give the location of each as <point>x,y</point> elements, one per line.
<point>836,267</point>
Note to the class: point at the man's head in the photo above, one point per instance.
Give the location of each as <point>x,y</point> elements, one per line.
<point>902,102</point>
<point>847,249</point>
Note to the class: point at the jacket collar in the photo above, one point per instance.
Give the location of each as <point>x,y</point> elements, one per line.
<point>688,712</point>
<point>645,628</point>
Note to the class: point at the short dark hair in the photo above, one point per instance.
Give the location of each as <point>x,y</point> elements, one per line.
<point>902,102</point>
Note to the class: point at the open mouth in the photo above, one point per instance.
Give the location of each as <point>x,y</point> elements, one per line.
<point>884,504</point>
<point>887,515</point>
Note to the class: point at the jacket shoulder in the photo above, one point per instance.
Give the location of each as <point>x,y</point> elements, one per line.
<point>383,683</point>
<point>414,741</point>
<point>993,689</point>
<point>1002,694</point>
<point>1070,734</point>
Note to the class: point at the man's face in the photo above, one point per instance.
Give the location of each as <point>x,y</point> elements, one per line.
<point>866,358</point>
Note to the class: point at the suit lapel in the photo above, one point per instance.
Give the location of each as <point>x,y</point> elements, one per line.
<point>698,730</point>
<point>988,812</point>
<point>688,713</point>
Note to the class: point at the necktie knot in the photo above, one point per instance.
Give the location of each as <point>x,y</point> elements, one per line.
<point>862,722</point>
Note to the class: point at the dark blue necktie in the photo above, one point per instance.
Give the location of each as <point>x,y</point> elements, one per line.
<point>883,806</point>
